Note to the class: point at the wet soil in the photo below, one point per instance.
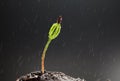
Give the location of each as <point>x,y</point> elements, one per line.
<point>47,76</point>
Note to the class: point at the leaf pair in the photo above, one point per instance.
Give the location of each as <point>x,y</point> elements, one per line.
<point>54,31</point>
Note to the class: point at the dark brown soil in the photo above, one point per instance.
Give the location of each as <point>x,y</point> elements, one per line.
<point>47,76</point>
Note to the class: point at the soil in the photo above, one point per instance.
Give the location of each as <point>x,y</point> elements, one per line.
<point>47,76</point>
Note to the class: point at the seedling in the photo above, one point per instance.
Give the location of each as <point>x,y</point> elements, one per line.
<point>53,33</point>
<point>49,75</point>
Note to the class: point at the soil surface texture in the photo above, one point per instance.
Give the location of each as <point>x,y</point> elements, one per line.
<point>47,76</point>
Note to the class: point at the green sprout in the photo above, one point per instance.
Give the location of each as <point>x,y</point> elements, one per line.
<point>53,33</point>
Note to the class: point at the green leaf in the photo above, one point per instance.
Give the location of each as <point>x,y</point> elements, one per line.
<point>54,30</point>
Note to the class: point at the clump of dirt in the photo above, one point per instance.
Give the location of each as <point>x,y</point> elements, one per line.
<point>47,76</point>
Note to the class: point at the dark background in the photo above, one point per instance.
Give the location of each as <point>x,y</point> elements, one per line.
<point>87,47</point>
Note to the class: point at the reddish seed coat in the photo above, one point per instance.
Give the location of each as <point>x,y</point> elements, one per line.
<point>59,19</point>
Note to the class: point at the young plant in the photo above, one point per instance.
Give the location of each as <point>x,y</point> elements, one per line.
<point>53,33</point>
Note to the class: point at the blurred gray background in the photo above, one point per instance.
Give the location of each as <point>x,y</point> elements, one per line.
<point>87,47</point>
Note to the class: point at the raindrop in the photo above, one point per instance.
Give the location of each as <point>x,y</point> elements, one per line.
<point>20,63</point>
<point>19,59</point>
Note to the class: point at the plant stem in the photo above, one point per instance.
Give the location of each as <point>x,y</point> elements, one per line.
<point>43,55</point>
